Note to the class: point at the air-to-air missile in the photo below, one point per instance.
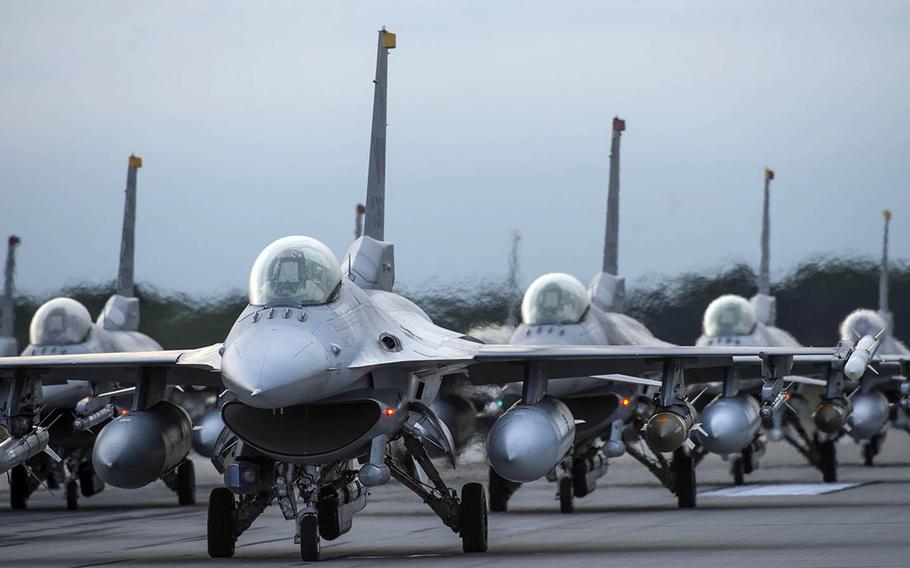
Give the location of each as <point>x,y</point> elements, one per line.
<point>8,344</point>
<point>862,409</point>
<point>75,408</point>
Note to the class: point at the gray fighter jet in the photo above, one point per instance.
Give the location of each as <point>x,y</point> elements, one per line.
<point>734,424</point>
<point>73,412</point>
<point>863,411</point>
<point>8,344</point>
<point>558,309</point>
<point>324,370</point>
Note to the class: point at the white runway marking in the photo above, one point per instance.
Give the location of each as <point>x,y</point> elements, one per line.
<point>779,489</point>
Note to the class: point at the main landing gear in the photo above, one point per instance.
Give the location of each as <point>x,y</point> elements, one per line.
<point>322,500</point>
<point>677,475</point>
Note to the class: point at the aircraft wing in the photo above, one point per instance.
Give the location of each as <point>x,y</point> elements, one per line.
<point>201,367</point>
<point>502,364</point>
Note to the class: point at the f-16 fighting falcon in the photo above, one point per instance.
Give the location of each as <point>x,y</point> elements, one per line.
<point>324,370</point>
<point>8,345</point>
<point>864,412</point>
<point>73,411</point>
<point>732,421</point>
<point>558,309</point>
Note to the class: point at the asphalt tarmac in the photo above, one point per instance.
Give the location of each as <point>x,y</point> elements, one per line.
<point>782,517</point>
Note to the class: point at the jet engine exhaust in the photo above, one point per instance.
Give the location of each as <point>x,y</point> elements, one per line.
<point>138,448</point>
<point>528,441</point>
<point>730,424</point>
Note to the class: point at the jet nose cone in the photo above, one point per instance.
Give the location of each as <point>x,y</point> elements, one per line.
<point>269,368</point>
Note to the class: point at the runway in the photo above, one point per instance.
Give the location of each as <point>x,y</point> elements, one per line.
<point>629,521</point>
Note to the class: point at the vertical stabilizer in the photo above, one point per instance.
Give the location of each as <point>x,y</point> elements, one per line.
<point>7,309</point>
<point>883,277</point>
<point>125,283</point>
<point>374,224</point>
<point>607,289</point>
<point>764,303</point>
<point>764,270</point>
<point>611,239</point>
<point>514,292</point>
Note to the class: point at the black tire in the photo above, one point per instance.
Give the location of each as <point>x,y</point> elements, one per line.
<point>186,483</point>
<point>684,467</point>
<point>72,495</point>
<point>309,538</point>
<point>737,469</point>
<point>868,454</point>
<point>566,496</point>
<point>473,518</point>
<point>221,514</point>
<point>18,488</point>
<point>748,459</point>
<point>86,475</point>
<point>828,461</point>
<point>500,491</point>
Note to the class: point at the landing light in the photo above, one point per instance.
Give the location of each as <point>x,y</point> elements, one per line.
<point>389,411</point>
<point>626,402</point>
<point>123,411</point>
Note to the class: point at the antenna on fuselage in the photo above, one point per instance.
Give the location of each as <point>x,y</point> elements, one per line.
<point>125,282</point>
<point>8,345</point>
<point>607,289</point>
<point>883,308</point>
<point>374,222</point>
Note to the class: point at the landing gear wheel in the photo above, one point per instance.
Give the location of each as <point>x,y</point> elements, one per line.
<point>684,467</point>
<point>473,518</point>
<point>737,469</point>
<point>221,523</point>
<point>827,462</point>
<point>500,490</point>
<point>871,449</point>
<point>566,496</point>
<point>748,459</point>
<point>186,483</point>
<point>18,488</point>
<point>87,481</point>
<point>309,538</point>
<point>72,495</point>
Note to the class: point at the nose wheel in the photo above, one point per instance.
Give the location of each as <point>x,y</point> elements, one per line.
<point>309,538</point>
<point>684,468</point>
<point>221,523</point>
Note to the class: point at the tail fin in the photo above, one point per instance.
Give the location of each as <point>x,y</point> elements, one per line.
<point>607,289</point>
<point>374,225</point>
<point>764,271</point>
<point>125,282</point>
<point>512,317</point>
<point>883,277</point>
<point>611,239</point>
<point>7,310</point>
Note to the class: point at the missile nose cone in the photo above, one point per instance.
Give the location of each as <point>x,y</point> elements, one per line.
<point>271,368</point>
<point>830,417</point>
<point>666,431</point>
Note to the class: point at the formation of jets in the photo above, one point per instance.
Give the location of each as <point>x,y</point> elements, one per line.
<point>330,384</point>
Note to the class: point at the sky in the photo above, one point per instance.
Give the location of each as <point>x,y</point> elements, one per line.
<point>252,119</point>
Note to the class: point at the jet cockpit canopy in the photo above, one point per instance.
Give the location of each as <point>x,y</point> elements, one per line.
<point>295,271</point>
<point>60,321</point>
<point>729,315</point>
<point>554,299</point>
<point>860,323</point>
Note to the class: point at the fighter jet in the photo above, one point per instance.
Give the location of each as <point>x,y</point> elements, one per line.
<point>558,309</point>
<point>733,420</point>
<point>8,344</point>
<point>863,411</point>
<point>324,370</point>
<point>73,412</point>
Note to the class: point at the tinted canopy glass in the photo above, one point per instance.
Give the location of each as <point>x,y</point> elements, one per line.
<point>61,321</point>
<point>294,271</point>
<point>729,315</point>
<point>554,299</point>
